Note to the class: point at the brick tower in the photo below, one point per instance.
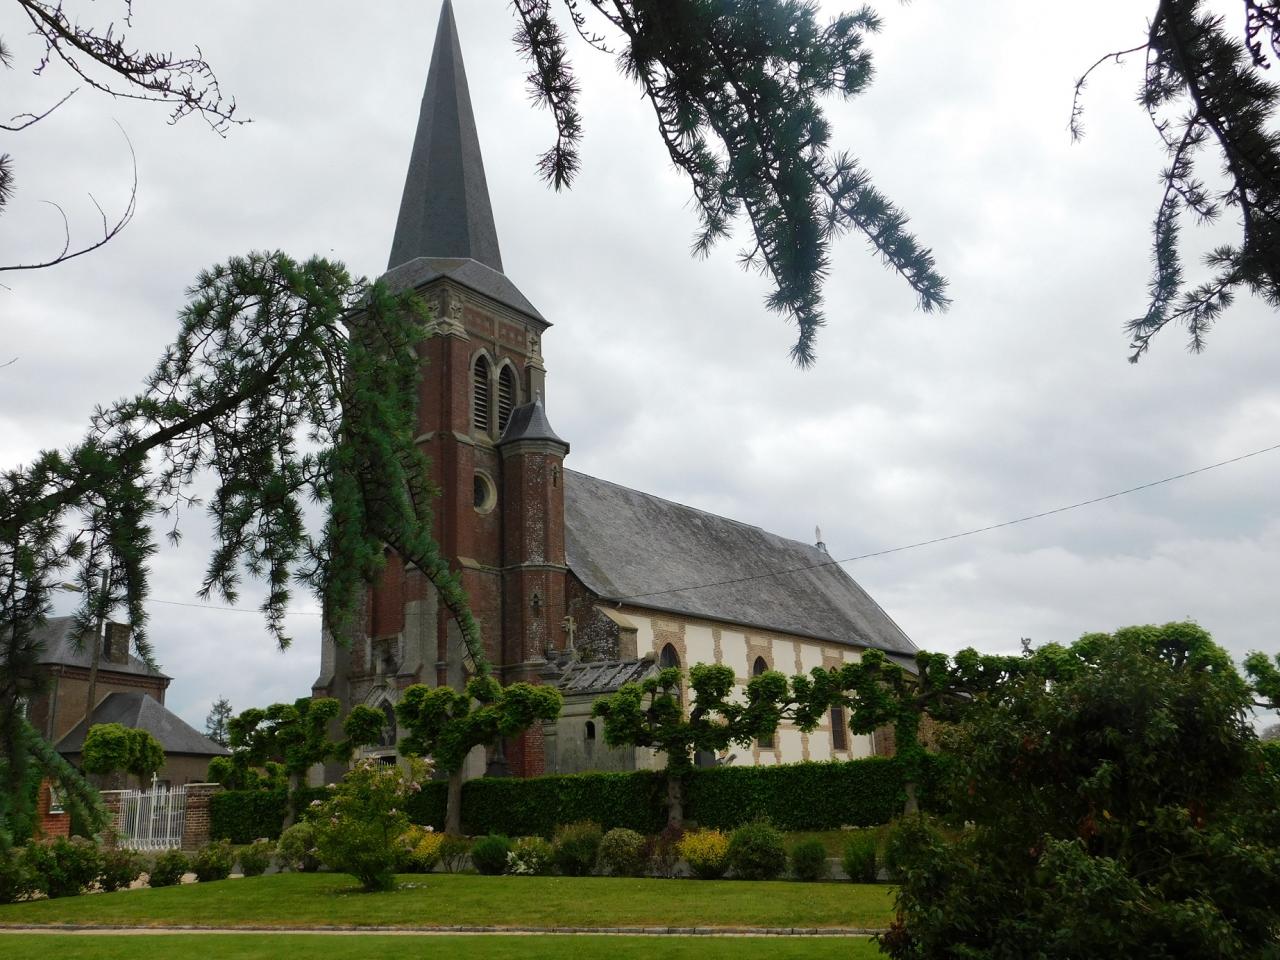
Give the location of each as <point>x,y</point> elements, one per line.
<point>482,421</point>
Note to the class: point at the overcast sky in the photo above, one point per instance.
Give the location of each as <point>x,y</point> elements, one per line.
<point>667,374</point>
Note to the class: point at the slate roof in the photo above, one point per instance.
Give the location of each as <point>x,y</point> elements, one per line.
<point>470,273</point>
<point>529,422</point>
<point>629,546</point>
<point>445,210</point>
<point>142,711</point>
<point>595,677</point>
<point>57,636</point>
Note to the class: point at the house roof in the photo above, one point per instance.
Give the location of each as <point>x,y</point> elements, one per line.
<point>141,711</point>
<point>445,209</point>
<point>58,638</point>
<point>638,549</point>
<point>595,677</point>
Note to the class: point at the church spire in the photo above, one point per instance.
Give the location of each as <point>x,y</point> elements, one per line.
<point>445,210</point>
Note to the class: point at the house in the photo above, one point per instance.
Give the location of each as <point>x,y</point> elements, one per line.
<point>575,580</point>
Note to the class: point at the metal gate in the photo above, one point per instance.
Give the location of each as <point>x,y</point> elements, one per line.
<point>152,819</point>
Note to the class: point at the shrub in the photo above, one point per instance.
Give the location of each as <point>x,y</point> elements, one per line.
<point>624,853</point>
<point>120,868</point>
<point>536,806</point>
<point>809,861</point>
<point>15,876</point>
<point>756,852</point>
<point>663,855</point>
<point>454,851</point>
<point>169,869</point>
<point>420,849</point>
<point>530,857</point>
<point>577,847</point>
<point>297,848</point>
<point>255,858</point>
<point>901,838</point>
<point>489,854</point>
<point>859,860</point>
<point>359,829</point>
<point>63,867</point>
<point>242,816</point>
<point>706,852</point>
<point>213,861</point>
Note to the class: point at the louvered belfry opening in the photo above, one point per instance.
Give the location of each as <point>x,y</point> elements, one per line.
<point>506,396</point>
<point>480,395</point>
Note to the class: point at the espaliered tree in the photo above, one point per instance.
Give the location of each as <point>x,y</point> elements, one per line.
<point>112,747</point>
<point>651,713</point>
<point>445,725</point>
<point>296,736</point>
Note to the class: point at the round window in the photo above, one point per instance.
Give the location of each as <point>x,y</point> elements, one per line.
<point>484,493</point>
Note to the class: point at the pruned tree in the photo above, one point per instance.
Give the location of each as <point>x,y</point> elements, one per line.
<point>651,713</point>
<point>215,724</point>
<point>296,736</point>
<point>1204,89</point>
<point>102,58</point>
<point>288,382</point>
<point>444,725</point>
<point>112,747</point>
<point>1264,676</point>
<point>736,89</point>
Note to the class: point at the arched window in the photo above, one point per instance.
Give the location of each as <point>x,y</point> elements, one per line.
<point>506,395</point>
<point>668,657</point>
<point>480,394</point>
<point>591,731</point>
<point>839,732</point>
<point>757,668</point>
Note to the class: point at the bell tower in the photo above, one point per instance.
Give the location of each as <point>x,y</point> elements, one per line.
<point>481,421</point>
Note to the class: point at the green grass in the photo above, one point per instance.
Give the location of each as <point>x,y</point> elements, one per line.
<point>289,946</point>
<point>295,899</point>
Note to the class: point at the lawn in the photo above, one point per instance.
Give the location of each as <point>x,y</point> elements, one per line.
<point>289,946</point>
<point>441,900</point>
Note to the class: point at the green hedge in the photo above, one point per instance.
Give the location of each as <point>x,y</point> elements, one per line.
<point>243,816</point>
<point>302,797</point>
<point>519,807</point>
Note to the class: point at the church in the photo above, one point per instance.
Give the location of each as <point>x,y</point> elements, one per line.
<point>576,581</point>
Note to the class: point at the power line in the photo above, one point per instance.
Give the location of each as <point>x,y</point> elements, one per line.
<point>956,536</point>
<point>861,556</point>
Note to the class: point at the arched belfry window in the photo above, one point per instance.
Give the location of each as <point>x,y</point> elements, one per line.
<point>757,668</point>
<point>480,394</point>
<point>507,395</point>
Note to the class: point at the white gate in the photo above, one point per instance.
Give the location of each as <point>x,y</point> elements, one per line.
<point>152,819</point>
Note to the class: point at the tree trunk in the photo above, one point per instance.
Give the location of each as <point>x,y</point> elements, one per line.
<point>295,781</point>
<point>912,805</point>
<point>453,808</point>
<point>675,800</point>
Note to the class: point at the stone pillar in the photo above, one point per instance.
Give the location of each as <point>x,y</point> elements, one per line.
<point>195,828</point>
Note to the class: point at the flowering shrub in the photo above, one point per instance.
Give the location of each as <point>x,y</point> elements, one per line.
<point>530,857</point>
<point>577,847</point>
<point>213,861</point>
<point>297,848</point>
<point>706,852</point>
<point>169,869</point>
<point>624,853</point>
<point>359,829</point>
<point>420,849</point>
<point>63,867</point>
<point>255,858</point>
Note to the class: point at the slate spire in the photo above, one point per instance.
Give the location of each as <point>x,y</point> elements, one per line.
<point>445,210</point>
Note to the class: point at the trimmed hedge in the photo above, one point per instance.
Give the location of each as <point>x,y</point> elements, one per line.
<point>243,816</point>
<point>795,796</point>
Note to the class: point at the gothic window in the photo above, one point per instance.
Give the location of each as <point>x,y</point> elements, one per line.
<point>839,728</point>
<point>591,730</point>
<point>506,396</point>
<point>480,394</point>
<point>668,657</point>
<point>759,667</point>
